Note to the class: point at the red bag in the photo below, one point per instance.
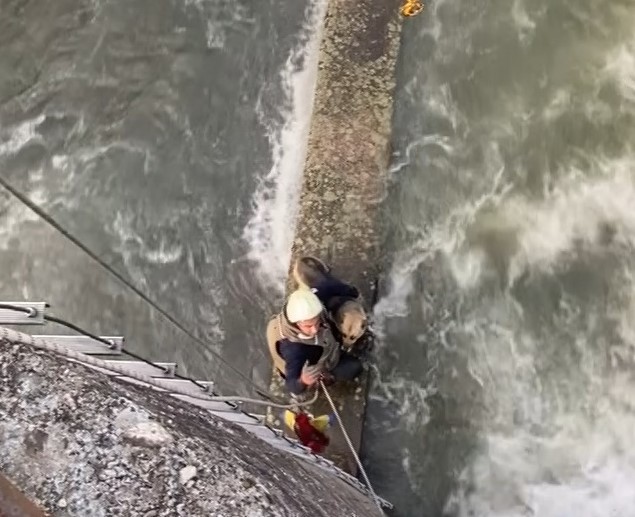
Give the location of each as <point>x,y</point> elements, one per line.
<point>308,435</point>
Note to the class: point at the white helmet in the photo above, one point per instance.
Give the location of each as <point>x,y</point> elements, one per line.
<point>303,305</point>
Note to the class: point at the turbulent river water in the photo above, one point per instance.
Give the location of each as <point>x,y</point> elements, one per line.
<point>169,136</point>
<point>507,384</point>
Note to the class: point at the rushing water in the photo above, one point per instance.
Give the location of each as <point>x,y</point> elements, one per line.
<point>168,136</point>
<point>507,367</point>
<point>157,133</point>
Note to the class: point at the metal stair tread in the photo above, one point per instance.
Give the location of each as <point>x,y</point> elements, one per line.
<point>11,317</point>
<point>140,368</point>
<point>86,345</point>
<point>187,385</point>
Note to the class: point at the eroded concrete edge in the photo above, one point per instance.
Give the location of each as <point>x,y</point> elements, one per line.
<point>346,166</point>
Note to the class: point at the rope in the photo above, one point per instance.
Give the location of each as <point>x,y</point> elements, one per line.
<point>43,344</point>
<point>47,218</point>
<point>17,308</point>
<point>124,351</point>
<point>350,446</point>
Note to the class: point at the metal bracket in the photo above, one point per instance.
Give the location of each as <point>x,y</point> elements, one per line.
<point>35,316</point>
<point>87,345</point>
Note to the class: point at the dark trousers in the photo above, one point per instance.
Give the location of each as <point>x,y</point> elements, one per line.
<point>348,368</point>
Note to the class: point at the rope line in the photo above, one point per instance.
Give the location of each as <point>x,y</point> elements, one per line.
<point>52,222</point>
<point>350,446</point>
<point>13,336</point>
<point>129,373</point>
<point>126,352</point>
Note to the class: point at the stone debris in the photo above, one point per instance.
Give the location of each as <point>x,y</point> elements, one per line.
<point>147,434</point>
<point>187,473</point>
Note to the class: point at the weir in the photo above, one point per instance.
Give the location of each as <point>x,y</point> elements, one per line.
<point>346,169</point>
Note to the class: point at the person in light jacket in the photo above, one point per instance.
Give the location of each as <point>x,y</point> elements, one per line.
<point>302,342</point>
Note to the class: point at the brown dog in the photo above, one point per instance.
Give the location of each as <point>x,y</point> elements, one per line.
<point>349,315</point>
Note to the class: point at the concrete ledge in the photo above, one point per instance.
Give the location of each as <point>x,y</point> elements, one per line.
<point>345,172</point>
<point>14,503</point>
<point>348,149</point>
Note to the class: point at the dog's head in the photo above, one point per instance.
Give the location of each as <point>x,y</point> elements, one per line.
<point>352,322</point>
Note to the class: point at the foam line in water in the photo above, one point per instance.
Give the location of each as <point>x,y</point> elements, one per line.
<point>14,138</point>
<point>269,232</point>
<point>620,67</point>
<point>582,209</point>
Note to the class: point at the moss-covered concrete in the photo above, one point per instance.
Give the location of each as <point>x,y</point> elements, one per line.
<point>347,159</point>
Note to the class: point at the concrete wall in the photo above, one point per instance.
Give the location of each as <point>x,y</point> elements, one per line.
<point>345,172</point>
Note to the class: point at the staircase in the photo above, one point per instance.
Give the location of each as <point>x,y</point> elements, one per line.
<point>114,354</point>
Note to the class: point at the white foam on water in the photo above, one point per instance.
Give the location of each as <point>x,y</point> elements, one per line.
<point>445,237</point>
<point>14,138</point>
<point>133,247</point>
<point>215,34</point>
<point>411,398</point>
<point>585,467</point>
<point>623,350</point>
<point>620,67</point>
<point>545,231</point>
<point>222,18</point>
<point>576,473</point>
<point>556,443</point>
<point>525,24</point>
<point>558,105</point>
<point>12,221</point>
<point>577,209</point>
<point>269,231</point>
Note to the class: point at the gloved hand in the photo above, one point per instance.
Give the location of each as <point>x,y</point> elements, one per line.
<point>310,374</point>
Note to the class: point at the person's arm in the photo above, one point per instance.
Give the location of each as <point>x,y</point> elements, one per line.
<point>293,373</point>
<point>298,372</point>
